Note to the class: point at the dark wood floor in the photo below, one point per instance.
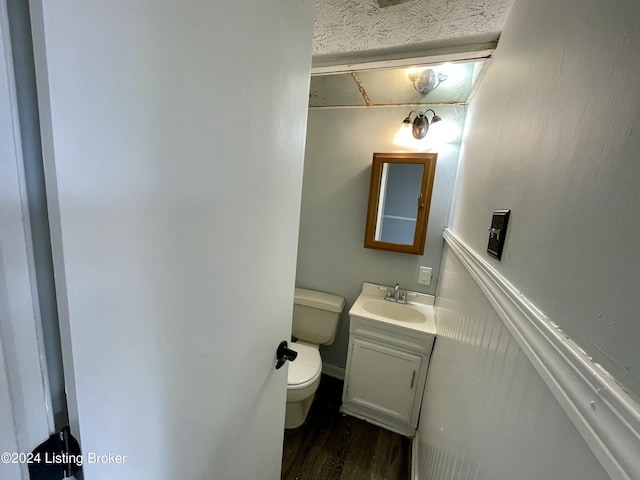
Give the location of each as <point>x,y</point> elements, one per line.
<point>333,446</point>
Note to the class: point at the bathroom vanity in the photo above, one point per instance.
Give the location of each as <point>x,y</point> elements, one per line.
<point>389,348</point>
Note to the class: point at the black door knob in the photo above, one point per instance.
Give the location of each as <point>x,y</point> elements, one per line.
<point>283,353</point>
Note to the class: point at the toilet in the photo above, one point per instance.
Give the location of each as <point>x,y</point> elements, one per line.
<point>315,321</point>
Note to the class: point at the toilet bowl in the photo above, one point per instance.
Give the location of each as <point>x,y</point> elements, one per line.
<point>315,321</point>
<point>303,380</point>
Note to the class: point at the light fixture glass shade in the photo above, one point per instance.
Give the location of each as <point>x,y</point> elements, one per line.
<point>404,136</point>
<point>412,132</point>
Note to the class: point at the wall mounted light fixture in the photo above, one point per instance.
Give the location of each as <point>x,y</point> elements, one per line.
<point>427,80</point>
<point>420,124</point>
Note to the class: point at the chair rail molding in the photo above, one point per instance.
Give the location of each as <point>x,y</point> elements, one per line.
<point>605,415</point>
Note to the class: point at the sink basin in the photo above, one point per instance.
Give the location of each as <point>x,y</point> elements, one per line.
<point>394,311</point>
<point>417,315</point>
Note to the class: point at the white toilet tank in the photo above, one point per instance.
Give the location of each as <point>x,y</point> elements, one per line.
<point>316,315</point>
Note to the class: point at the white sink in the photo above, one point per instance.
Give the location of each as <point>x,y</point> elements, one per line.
<point>417,314</point>
<point>394,311</point>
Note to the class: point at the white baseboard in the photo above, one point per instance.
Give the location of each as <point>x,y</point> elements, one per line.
<point>607,418</point>
<point>333,371</point>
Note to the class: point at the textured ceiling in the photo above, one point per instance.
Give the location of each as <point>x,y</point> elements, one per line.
<point>352,26</point>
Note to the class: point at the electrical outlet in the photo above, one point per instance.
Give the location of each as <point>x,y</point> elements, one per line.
<point>424,276</point>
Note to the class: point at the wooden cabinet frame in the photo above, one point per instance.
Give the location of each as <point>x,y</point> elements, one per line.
<point>423,202</point>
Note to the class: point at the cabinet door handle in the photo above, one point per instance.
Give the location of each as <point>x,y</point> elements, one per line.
<point>413,379</point>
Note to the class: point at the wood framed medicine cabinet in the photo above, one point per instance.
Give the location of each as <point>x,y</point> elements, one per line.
<point>399,201</point>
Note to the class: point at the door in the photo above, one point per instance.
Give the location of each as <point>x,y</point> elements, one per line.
<point>383,379</point>
<point>173,135</point>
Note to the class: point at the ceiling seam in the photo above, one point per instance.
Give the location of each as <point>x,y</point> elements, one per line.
<point>392,105</point>
<point>363,92</point>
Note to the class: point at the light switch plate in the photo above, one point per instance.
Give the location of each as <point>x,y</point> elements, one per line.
<point>498,232</point>
<point>424,276</point>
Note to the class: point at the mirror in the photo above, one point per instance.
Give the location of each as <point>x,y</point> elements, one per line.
<point>399,201</point>
<point>394,86</point>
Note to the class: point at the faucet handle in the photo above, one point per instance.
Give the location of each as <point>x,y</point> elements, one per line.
<point>389,293</point>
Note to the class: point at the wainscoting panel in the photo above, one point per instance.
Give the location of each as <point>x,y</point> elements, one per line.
<point>487,413</point>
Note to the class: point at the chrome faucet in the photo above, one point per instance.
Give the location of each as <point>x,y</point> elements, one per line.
<point>396,295</point>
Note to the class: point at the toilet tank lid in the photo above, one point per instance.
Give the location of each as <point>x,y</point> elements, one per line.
<point>321,300</point>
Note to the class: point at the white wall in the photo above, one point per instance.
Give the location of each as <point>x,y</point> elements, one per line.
<point>337,171</point>
<point>9,436</point>
<point>25,408</point>
<point>487,414</point>
<point>551,134</point>
<point>24,69</point>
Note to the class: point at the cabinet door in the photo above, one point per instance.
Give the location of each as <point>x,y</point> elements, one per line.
<point>383,379</point>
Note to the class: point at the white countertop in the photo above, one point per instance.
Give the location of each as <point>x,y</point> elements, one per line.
<point>420,302</point>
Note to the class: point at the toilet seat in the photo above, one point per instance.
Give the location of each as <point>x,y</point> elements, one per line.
<point>305,369</point>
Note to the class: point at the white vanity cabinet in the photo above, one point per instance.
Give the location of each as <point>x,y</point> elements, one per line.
<point>386,371</point>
